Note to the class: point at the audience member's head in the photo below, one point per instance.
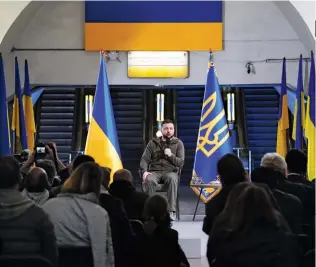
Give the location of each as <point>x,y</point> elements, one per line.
<point>156,209</point>
<point>266,176</point>
<point>80,159</point>
<point>246,205</point>
<point>10,173</point>
<point>36,180</point>
<point>274,161</point>
<point>85,179</point>
<point>106,177</point>
<point>124,175</point>
<point>49,167</point>
<point>231,170</point>
<point>296,161</point>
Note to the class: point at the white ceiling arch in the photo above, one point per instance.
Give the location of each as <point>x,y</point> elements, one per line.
<point>15,15</point>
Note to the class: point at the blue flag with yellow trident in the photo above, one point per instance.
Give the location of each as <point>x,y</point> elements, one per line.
<point>214,140</point>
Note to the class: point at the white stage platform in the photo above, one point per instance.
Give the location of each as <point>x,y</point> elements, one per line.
<point>191,238</point>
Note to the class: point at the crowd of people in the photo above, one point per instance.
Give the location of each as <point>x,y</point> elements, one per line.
<point>74,216</point>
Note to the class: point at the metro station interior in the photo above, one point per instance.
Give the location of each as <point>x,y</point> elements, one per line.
<point>256,36</point>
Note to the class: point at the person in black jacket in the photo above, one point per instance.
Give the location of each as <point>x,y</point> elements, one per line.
<point>303,192</point>
<point>231,172</point>
<point>251,232</point>
<point>296,161</point>
<point>25,229</point>
<point>290,206</point>
<point>123,189</point>
<point>123,237</point>
<point>159,244</point>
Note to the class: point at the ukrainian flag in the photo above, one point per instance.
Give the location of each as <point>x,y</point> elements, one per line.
<point>153,25</point>
<point>102,142</point>
<point>18,119</point>
<point>213,140</point>
<point>4,123</point>
<point>283,123</point>
<point>299,110</point>
<point>28,109</point>
<point>310,126</point>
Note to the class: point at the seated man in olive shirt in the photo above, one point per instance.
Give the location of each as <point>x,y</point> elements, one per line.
<point>161,161</point>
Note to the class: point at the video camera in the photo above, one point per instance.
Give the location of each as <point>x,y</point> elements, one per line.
<point>23,157</point>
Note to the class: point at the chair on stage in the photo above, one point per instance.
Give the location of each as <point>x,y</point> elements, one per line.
<point>161,189</point>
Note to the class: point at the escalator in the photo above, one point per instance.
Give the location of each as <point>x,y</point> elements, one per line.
<point>261,110</point>
<point>128,105</point>
<point>57,119</point>
<point>189,105</point>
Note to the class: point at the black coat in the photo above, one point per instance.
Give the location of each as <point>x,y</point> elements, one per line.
<point>214,207</point>
<point>160,249</point>
<point>123,237</point>
<point>258,245</point>
<point>133,201</point>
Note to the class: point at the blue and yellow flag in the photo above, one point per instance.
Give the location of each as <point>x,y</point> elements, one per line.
<point>18,119</point>
<point>299,110</point>
<point>283,123</point>
<point>214,139</point>
<point>153,25</point>
<point>102,142</point>
<point>28,109</point>
<point>310,126</point>
<point>4,122</point>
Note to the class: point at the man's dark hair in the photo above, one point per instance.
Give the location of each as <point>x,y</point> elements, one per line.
<point>36,180</point>
<point>296,161</point>
<point>231,170</point>
<point>80,159</point>
<point>266,176</point>
<point>166,121</point>
<point>9,172</point>
<point>49,167</point>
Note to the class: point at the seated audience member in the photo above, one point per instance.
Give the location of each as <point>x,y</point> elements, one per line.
<point>49,167</point>
<point>78,219</point>
<point>231,172</point>
<point>122,235</point>
<point>133,201</point>
<point>66,172</point>
<point>159,245</point>
<point>36,186</point>
<point>80,159</point>
<point>296,161</point>
<point>250,232</point>
<point>25,229</point>
<point>303,192</point>
<point>290,206</point>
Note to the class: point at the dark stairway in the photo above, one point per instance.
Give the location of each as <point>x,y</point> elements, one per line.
<point>189,105</point>
<point>128,106</point>
<point>57,118</point>
<point>261,106</point>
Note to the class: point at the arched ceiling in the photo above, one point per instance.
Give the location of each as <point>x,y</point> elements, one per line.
<point>15,15</point>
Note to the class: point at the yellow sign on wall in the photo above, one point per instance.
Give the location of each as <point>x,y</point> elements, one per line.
<point>154,64</point>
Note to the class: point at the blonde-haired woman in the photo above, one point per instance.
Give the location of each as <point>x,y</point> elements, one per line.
<point>78,219</point>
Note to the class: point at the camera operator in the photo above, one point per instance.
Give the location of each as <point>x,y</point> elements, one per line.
<point>41,156</point>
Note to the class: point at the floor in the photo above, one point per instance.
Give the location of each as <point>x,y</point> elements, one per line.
<point>199,262</point>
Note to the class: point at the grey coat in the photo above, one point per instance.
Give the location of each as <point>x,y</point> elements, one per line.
<point>79,221</point>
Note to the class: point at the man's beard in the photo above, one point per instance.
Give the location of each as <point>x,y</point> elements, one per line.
<point>167,137</point>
